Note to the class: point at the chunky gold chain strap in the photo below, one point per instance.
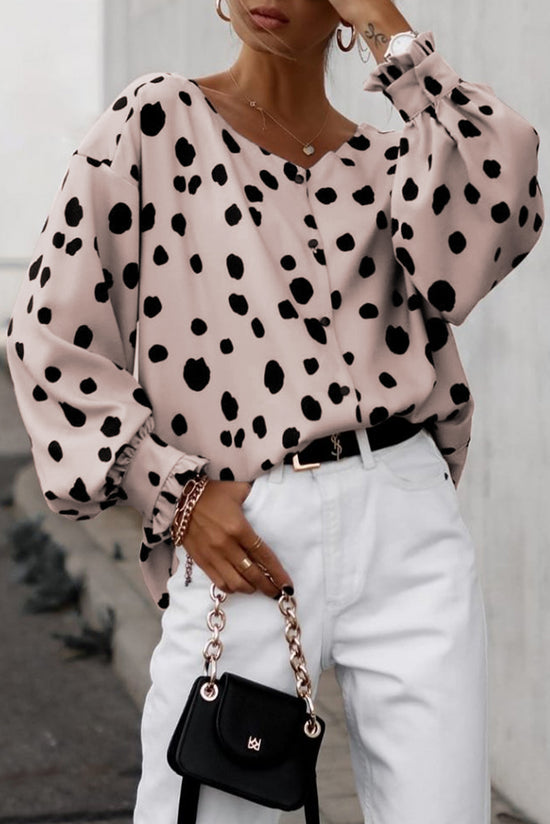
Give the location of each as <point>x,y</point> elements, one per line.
<point>214,647</point>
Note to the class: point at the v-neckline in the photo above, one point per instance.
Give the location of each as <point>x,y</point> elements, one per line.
<point>238,136</point>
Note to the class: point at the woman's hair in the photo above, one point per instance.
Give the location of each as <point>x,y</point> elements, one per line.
<point>284,52</point>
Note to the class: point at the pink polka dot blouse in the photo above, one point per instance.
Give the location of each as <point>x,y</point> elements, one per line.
<point>196,302</point>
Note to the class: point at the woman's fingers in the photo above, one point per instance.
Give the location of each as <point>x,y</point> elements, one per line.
<point>231,579</point>
<point>268,572</point>
<point>219,538</point>
<point>256,576</point>
<point>234,575</point>
<point>222,571</point>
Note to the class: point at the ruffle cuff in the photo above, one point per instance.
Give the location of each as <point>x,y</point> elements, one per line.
<point>148,471</point>
<point>158,529</point>
<point>118,470</point>
<point>414,80</point>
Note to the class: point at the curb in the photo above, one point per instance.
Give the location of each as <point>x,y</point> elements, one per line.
<point>107,582</point>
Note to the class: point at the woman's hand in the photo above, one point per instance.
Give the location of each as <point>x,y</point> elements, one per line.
<point>374,20</point>
<point>218,537</point>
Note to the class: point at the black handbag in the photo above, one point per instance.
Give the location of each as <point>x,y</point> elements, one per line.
<point>246,738</point>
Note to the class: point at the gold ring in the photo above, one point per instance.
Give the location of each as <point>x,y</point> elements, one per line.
<point>246,563</point>
<point>266,573</point>
<point>257,543</point>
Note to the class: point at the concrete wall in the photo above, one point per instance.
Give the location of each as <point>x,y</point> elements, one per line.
<point>505,343</point>
<point>51,62</point>
<point>505,347</point>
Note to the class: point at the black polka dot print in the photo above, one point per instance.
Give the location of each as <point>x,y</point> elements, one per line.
<point>263,302</point>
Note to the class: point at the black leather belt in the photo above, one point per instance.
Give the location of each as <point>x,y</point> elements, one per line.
<point>332,448</point>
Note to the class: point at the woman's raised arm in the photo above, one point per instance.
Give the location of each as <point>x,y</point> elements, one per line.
<point>466,205</point>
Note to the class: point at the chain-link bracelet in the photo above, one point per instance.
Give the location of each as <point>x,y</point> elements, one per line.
<point>191,493</point>
<point>190,485</point>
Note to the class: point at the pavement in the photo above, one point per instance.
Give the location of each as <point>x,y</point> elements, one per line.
<point>70,725</point>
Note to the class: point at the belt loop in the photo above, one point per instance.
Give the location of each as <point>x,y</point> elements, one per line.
<point>365,448</point>
<point>276,473</point>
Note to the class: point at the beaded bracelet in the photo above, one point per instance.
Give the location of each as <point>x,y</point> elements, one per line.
<point>191,493</point>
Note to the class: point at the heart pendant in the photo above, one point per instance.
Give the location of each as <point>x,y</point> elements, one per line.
<point>309,149</point>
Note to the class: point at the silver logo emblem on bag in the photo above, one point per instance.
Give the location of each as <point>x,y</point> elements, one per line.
<point>254,743</point>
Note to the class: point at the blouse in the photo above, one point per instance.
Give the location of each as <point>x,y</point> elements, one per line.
<point>276,303</point>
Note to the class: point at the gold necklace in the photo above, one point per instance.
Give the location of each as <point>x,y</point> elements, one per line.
<point>307,148</point>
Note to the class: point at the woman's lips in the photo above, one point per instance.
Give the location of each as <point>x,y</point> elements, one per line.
<point>262,21</point>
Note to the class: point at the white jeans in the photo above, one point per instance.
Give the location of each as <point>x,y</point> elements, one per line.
<point>387,589</point>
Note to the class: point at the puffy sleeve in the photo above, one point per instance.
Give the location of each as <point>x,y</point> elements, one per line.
<point>466,206</point>
<point>72,336</point>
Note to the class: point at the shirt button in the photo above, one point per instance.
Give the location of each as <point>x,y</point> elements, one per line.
<point>344,390</point>
<point>299,178</point>
<point>313,243</point>
<point>324,321</point>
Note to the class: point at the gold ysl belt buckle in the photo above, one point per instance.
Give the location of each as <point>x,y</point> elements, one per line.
<point>297,465</point>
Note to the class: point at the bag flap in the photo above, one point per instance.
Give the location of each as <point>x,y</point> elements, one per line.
<point>256,723</point>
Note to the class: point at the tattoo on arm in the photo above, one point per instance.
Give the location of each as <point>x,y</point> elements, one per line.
<point>374,37</point>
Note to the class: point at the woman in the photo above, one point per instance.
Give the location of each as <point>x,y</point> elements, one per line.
<point>294,275</point>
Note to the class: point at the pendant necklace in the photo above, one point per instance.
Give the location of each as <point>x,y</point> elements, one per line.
<point>307,148</point>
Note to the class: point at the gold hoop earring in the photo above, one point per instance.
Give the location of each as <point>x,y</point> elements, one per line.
<point>220,12</point>
<point>351,43</point>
